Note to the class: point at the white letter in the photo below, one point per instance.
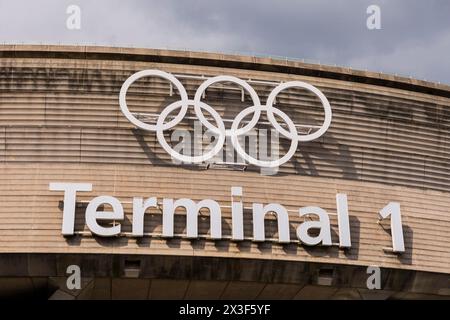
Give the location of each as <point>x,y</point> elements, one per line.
<point>192,210</point>
<point>343,221</point>
<point>393,210</point>
<point>374,281</point>
<point>259,213</point>
<point>168,217</point>
<point>237,215</point>
<point>70,192</point>
<point>323,224</point>
<point>139,209</point>
<point>73,22</point>
<point>373,21</point>
<point>74,281</point>
<point>92,215</point>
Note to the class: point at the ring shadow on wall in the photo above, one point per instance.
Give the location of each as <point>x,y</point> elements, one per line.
<point>342,161</point>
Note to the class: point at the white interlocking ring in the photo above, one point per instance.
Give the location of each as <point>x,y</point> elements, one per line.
<point>242,83</point>
<point>317,92</point>
<point>183,158</point>
<point>220,130</point>
<point>249,158</point>
<point>138,123</point>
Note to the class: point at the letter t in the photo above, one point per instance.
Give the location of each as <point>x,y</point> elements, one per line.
<point>70,193</point>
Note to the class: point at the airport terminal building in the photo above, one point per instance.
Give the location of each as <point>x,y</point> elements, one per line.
<point>90,187</point>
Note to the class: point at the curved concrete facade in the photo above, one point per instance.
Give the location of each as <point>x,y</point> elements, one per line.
<point>388,141</point>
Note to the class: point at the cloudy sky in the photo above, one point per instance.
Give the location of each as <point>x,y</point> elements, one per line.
<point>414,39</point>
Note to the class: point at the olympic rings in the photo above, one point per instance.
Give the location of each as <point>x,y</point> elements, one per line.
<point>220,130</point>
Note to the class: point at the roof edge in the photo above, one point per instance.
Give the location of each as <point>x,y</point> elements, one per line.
<point>226,61</point>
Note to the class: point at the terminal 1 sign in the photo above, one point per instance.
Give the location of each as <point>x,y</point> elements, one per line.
<point>321,222</point>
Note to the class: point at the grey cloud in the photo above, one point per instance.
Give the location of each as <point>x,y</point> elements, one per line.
<point>414,39</point>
